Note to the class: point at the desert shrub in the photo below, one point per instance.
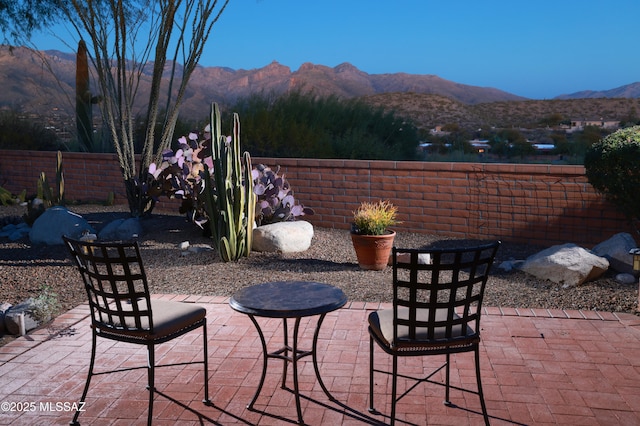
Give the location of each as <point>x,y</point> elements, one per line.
<point>613,169</point>
<point>17,132</point>
<point>308,126</point>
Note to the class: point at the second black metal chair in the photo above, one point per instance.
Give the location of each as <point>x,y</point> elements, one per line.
<point>437,301</point>
<point>122,309</point>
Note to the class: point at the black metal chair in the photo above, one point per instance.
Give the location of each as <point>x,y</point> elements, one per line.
<point>122,310</point>
<point>437,300</point>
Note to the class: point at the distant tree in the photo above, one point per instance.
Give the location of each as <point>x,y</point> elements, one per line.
<point>630,119</point>
<point>19,133</point>
<point>552,120</point>
<point>586,138</point>
<point>499,146</point>
<point>561,143</point>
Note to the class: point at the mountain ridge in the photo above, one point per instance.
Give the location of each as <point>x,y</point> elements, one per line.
<point>43,83</point>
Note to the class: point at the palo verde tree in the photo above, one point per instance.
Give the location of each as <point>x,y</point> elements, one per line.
<point>20,18</point>
<point>133,41</point>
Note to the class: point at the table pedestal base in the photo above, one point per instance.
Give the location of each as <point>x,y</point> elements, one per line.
<point>290,354</point>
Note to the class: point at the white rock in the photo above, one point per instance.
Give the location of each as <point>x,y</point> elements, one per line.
<point>183,245</point>
<point>566,264</point>
<point>285,237</point>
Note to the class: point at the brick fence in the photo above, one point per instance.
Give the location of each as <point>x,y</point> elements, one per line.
<point>541,204</point>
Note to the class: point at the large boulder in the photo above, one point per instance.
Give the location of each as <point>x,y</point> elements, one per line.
<point>285,237</point>
<point>566,264</point>
<point>121,230</point>
<point>55,222</point>
<point>616,251</point>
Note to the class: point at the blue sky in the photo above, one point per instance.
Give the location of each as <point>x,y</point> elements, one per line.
<point>537,49</point>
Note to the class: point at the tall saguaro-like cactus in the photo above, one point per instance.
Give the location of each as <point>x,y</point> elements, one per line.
<point>84,100</point>
<point>229,197</point>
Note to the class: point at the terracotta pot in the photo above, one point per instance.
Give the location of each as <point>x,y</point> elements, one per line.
<point>373,250</point>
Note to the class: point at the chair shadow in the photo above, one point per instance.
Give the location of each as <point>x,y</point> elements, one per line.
<point>202,417</point>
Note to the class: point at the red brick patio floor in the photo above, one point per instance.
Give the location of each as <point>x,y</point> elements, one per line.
<point>538,367</point>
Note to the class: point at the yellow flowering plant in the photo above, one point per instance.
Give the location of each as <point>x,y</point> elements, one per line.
<point>374,218</point>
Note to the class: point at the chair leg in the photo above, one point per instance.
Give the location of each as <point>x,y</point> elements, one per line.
<point>394,389</point>
<point>371,409</point>
<point>206,399</point>
<point>447,370</point>
<point>480,393</point>
<point>74,422</point>
<point>151,380</point>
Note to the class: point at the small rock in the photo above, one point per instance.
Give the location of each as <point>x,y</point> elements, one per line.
<point>510,265</point>
<point>626,279</point>
<point>199,248</point>
<point>183,245</point>
<point>121,230</point>
<point>13,317</point>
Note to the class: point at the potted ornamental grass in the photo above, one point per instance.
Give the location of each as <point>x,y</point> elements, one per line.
<point>372,239</point>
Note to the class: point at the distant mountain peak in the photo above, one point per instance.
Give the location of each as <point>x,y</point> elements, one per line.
<point>627,91</point>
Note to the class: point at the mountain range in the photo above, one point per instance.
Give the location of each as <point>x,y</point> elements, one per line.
<point>43,83</point>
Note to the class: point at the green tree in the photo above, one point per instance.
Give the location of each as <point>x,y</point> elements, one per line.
<point>612,167</point>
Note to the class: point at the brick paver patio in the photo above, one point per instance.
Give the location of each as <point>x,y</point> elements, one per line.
<point>539,367</point>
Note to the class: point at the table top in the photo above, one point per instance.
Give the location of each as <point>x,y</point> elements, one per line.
<point>288,299</point>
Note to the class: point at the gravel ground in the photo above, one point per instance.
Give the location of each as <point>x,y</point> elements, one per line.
<point>26,268</point>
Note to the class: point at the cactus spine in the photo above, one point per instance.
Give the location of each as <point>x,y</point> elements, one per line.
<point>229,197</point>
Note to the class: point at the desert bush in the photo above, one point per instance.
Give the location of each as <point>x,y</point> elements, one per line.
<point>308,126</point>
<point>17,132</point>
<point>613,169</point>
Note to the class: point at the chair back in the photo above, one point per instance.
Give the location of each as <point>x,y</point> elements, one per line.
<point>437,296</point>
<point>116,286</point>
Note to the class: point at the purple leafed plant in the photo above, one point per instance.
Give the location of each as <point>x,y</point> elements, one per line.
<point>181,175</point>
<point>275,201</point>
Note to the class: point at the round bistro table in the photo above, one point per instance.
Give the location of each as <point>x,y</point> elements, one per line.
<point>288,299</point>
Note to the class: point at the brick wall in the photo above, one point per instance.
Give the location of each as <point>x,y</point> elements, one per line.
<point>542,204</point>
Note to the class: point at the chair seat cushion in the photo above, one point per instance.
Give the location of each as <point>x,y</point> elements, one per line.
<point>169,317</point>
<point>381,323</point>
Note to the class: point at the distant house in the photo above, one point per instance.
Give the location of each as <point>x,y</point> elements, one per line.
<point>577,125</point>
<point>481,146</point>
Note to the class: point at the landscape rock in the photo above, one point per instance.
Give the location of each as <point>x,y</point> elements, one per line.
<point>566,264</point>
<point>121,230</point>
<point>616,251</point>
<point>55,222</point>
<point>15,231</point>
<point>423,258</point>
<point>13,317</point>
<point>286,237</point>
<point>626,278</point>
